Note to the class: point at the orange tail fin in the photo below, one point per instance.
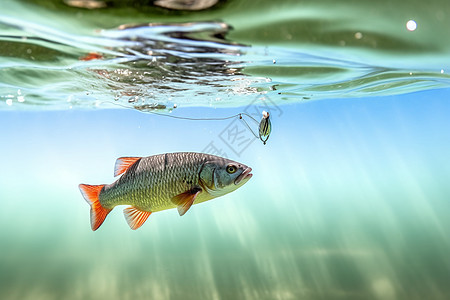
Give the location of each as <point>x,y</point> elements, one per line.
<point>98,212</point>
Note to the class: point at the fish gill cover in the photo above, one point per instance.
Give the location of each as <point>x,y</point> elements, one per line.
<point>154,54</point>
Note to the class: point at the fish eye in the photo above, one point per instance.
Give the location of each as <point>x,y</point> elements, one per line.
<point>231,169</point>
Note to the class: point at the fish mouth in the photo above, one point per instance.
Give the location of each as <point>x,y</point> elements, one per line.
<point>246,175</point>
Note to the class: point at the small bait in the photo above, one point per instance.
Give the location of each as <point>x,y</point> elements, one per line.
<point>265,127</point>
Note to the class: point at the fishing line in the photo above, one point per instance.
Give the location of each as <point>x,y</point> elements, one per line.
<point>264,125</point>
<point>215,119</point>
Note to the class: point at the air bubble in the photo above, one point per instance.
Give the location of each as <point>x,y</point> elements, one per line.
<point>411,25</point>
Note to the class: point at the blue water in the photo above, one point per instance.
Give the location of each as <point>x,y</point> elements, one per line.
<point>349,198</point>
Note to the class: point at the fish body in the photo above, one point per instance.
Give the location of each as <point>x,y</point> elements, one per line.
<point>161,182</point>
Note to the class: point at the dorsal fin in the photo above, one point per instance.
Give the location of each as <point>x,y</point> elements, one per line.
<point>185,200</point>
<point>135,217</point>
<point>123,163</point>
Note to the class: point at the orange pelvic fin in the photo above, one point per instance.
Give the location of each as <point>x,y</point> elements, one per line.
<point>98,212</point>
<point>135,217</point>
<point>185,200</point>
<point>123,163</point>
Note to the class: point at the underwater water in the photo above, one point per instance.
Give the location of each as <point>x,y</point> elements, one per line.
<point>349,198</point>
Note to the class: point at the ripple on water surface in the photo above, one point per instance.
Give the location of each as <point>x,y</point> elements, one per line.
<point>300,53</point>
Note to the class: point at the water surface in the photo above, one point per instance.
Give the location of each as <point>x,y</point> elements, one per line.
<point>149,56</point>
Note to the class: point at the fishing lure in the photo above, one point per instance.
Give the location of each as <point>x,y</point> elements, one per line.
<point>265,127</point>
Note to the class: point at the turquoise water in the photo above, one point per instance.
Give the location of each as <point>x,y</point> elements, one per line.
<point>349,198</point>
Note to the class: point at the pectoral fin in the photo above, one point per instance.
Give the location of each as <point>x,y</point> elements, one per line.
<point>185,200</point>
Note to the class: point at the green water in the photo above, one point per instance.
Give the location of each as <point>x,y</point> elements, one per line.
<point>349,198</point>
<point>352,206</point>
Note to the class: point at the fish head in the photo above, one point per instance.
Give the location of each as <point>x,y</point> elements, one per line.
<point>222,176</point>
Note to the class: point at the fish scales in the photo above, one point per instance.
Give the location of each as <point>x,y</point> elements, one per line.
<point>151,182</point>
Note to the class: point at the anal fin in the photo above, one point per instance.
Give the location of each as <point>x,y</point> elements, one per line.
<point>135,217</point>
<point>123,163</point>
<point>185,200</point>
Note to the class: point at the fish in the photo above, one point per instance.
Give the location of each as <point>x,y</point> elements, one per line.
<point>164,181</point>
